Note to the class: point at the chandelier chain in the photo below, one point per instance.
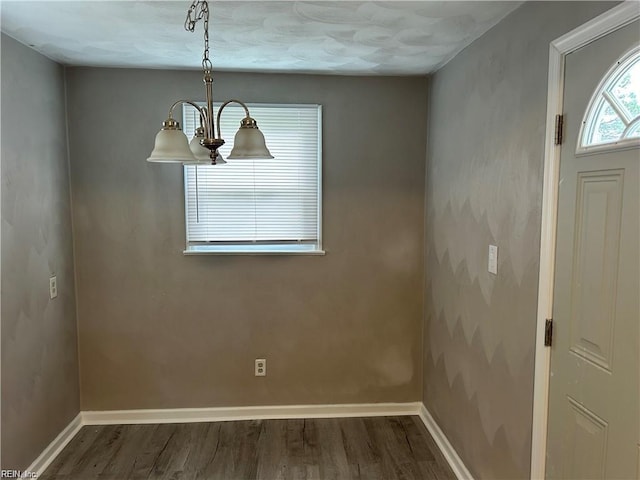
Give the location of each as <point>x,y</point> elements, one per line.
<point>199,10</point>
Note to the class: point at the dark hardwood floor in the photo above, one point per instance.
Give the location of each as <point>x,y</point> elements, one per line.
<point>383,448</point>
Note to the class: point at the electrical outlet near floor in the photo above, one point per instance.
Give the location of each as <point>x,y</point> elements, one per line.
<point>261,367</point>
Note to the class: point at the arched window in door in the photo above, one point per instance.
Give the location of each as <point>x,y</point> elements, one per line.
<point>612,119</point>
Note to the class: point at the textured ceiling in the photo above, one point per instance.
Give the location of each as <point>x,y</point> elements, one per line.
<point>340,37</point>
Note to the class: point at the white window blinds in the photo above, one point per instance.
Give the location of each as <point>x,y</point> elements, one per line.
<point>275,201</point>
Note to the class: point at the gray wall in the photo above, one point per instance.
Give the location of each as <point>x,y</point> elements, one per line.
<point>484,186</point>
<point>40,393</point>
<point>158,329</point>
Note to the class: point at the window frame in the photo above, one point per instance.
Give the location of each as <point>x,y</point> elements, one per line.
<point>291,247</point>
<point>595,104</point>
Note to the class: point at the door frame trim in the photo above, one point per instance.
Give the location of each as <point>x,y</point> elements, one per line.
<point>609,21</point>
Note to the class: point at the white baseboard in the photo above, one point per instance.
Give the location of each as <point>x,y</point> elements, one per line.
<point>53,450</point>
<point>450,454</point>
<point>186,415</point>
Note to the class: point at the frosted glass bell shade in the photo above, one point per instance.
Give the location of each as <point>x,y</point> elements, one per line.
<point>201,153</point>
<point>249,143</point>
<point>171,146</point>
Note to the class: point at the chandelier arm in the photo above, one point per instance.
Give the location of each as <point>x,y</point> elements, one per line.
<point>246,111</point>
<point>204,115</point>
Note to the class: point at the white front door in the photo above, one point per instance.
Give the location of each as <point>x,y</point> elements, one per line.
<point>593,425</point>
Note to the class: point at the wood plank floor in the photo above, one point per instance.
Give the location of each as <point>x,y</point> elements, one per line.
<point>377,448</point>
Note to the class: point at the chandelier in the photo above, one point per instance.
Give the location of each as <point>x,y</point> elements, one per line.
<point>172,145</point>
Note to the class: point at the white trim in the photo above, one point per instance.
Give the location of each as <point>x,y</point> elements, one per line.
<point>455,462</point>
<point>600,26</point>
<point>49,454</point>
<point>255,249</point>
<point>618,145</point>
<point>221,414</point>
<point>320,183</point>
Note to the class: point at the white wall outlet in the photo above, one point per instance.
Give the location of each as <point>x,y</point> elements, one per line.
<point>53,287</point>
<point>493,260</point>
<point>261,367</point>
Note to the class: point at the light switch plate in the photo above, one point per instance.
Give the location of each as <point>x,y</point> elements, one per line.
<point>493,260</point>
<point>53,287</point>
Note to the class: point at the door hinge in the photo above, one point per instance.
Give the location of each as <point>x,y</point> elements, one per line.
<point>548,332</point>
<point>559,129</point>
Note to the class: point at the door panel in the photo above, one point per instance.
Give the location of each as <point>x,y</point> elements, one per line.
<point>587,433</point>
<point>595,261</point>
<point>593,425</point>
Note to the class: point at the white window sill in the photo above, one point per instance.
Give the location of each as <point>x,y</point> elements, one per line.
<point>258,249</point>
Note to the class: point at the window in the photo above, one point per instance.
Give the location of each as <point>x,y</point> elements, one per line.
<point>258,206</point>
<point>613,115</point>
